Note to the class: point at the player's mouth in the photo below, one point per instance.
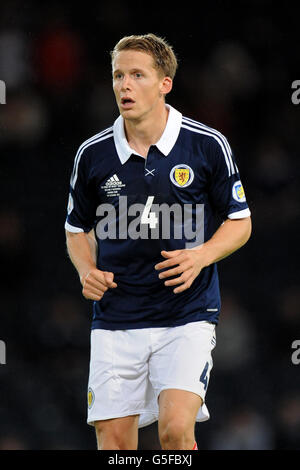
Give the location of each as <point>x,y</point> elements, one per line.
<point>127,103</point>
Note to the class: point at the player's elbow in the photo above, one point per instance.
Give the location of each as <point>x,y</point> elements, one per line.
<point>242,229</point>
<point>69,235</point>
<point>73,236</point>
<point>247,229</point>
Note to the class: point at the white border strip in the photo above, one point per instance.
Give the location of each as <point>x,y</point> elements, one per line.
<point>240,214</point>
<point>73,229</point>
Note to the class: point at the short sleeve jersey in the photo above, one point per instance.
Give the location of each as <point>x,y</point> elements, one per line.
<point>173,199</point>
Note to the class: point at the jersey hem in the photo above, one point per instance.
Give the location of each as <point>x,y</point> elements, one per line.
<point>98,324</point>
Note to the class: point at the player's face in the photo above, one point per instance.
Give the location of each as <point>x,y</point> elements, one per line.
<point>138,87</point>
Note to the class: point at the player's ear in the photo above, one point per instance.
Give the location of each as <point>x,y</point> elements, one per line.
<point>166,85</point>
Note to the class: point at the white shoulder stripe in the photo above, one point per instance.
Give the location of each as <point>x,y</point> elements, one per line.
<point>85,144</point>
<point>225,147</point>
<point>202,129</point>
<point>233,166</point>
<point>211,129</point>
<point>105,135</point>
<point>96,136</point>
<point>198,131</point>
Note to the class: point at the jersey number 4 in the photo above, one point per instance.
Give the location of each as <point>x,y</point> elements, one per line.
<point>204,376</point>
<point>147,216</point>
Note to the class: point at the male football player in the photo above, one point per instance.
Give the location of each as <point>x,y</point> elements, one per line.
<point>142,232</point>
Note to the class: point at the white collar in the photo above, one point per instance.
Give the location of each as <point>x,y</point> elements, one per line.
<point>165,143</point>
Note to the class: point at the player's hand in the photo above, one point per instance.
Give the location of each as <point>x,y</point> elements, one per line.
<point>186,263</point>
<point>96,282</point>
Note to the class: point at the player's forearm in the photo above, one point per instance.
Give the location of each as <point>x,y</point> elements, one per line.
<point>229,237</point>
<point>82,250</point>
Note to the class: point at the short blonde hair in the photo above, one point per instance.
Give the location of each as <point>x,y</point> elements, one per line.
<point>163,55</point>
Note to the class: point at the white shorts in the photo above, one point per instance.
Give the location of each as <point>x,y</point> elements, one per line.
<point>129,369</point>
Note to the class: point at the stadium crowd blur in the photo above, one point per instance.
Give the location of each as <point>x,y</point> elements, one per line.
<point>236,67</point>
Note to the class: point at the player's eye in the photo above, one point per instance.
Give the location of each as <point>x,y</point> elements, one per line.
<point>118,76</point>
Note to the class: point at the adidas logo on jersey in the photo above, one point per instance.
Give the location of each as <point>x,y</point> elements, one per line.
<point>113,186</point>
<point>113,181</point>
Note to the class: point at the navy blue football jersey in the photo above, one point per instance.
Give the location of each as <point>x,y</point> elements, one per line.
<point>174,199</point>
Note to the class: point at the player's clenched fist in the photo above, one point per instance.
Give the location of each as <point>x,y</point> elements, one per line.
<point>95,283</point>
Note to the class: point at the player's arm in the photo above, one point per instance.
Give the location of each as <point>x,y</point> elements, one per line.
<point>188,263</point>
<point>230,236</point>
<point>82,250</point>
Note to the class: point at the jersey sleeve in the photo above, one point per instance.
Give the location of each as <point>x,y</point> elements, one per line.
<point>226,190</point>
<point>81,210</point>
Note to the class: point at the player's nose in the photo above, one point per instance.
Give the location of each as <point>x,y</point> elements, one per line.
<point>126,83</point>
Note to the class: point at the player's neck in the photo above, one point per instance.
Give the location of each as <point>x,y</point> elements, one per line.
<point>143,133</point>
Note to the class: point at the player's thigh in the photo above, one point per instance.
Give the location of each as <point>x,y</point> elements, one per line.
<point>119,433</point>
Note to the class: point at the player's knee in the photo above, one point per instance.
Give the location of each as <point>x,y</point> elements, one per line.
<point>112,438</point>
<point>177,433</point>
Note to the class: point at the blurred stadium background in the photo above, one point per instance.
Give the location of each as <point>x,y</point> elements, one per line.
<point>237,63</point>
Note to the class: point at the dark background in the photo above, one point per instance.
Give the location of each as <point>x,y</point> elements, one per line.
<point>237,61</point>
